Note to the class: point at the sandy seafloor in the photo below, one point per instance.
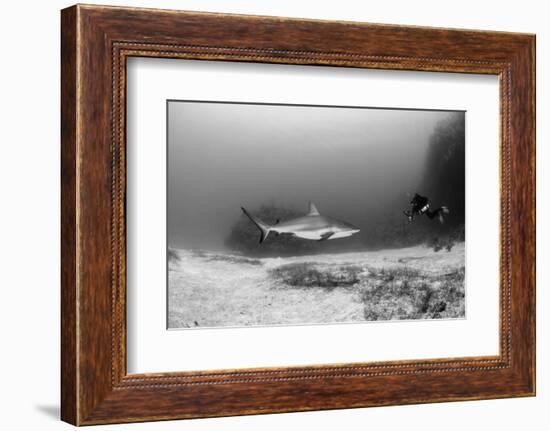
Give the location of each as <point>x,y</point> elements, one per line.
<point>213,289</point>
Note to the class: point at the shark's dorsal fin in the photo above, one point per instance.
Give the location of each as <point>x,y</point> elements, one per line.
<point>313,211</point>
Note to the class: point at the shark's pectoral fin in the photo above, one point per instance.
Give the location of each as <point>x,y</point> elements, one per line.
<point>326,236</point>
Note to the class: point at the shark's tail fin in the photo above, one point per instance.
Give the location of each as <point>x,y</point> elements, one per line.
<point>264,228</point>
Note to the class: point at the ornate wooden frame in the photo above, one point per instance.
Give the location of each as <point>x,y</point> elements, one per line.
<point>95,42</point>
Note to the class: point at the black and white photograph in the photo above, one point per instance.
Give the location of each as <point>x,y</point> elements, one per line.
<point>275,215</point>
<point>300,214</point>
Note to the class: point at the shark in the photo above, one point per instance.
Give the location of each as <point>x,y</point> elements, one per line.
<point>312,226</point>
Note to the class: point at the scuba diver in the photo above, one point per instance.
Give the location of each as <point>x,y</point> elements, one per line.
<point>420,205</point>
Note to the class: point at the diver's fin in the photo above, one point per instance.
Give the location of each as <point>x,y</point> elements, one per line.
<point>326,236</point>
<point>264,228</point>
<point>441,211</point>
<point>313,211</point>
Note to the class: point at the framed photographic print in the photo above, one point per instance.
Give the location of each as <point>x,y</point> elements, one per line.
<point>267,215</point>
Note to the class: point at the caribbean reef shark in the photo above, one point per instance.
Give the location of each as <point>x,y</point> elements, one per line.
<point>312,226</point>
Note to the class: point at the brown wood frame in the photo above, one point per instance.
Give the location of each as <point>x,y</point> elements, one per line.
<point>95,43</point>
